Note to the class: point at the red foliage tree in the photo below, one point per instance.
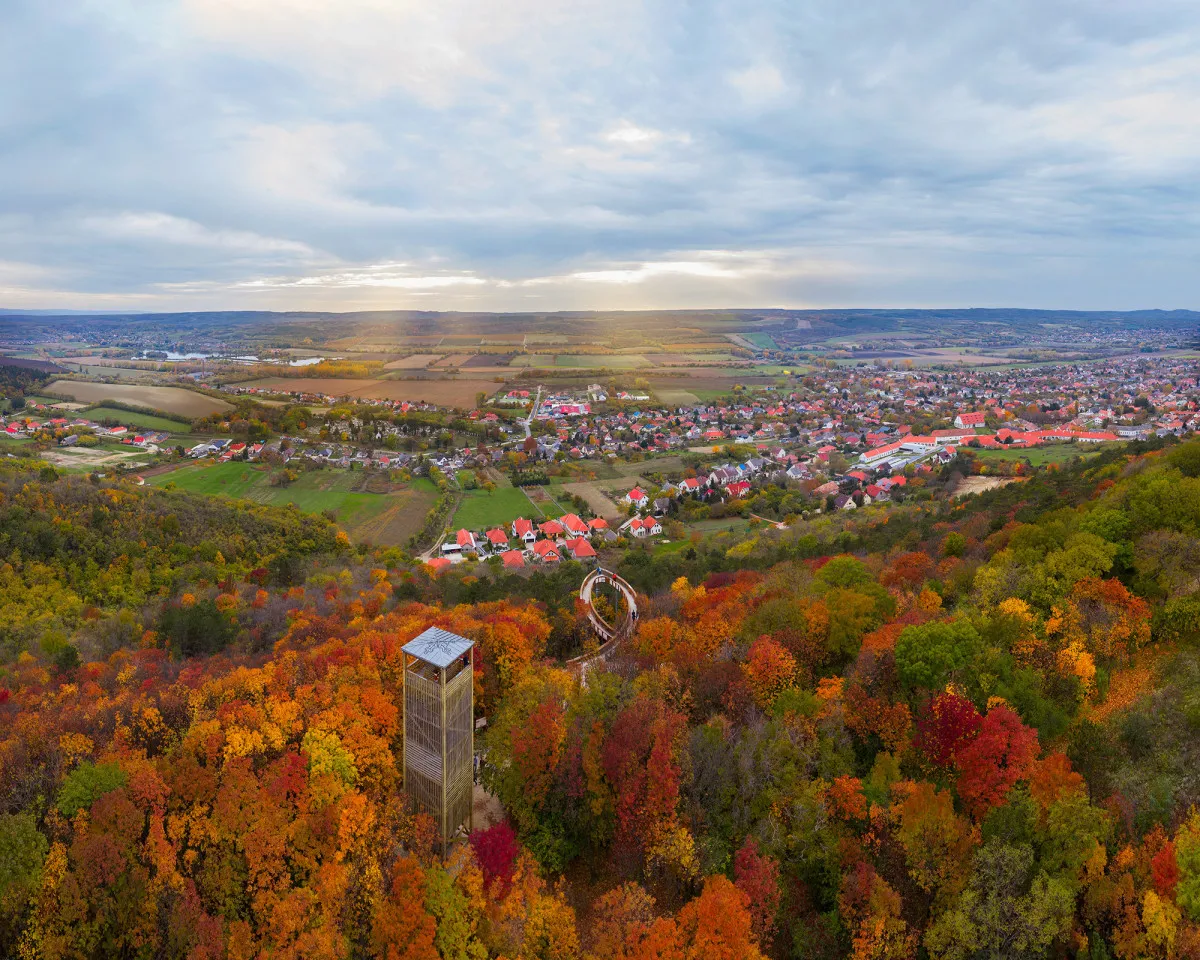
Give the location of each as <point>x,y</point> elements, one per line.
<point>496,850</point>
<point>1165,870</point>
<point>947,724</point>
<point>1002,754</point>
<point>757,876</point>
<point>640,760</point>
<point>908,571</point>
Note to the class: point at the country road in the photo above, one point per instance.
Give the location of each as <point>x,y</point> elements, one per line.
<point>532,413</point>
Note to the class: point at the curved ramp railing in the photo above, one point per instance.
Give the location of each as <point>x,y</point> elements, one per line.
<point>610,635</point>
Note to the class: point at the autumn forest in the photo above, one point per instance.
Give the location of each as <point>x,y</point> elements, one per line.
<point>950,729</point>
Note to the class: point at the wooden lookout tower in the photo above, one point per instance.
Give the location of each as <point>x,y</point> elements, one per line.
<point>439,728</point>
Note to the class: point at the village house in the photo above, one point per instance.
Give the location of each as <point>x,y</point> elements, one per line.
<point>522,530</point>
<point>642,527</point>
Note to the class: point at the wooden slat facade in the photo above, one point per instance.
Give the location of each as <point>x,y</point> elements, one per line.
<point>439,741</point>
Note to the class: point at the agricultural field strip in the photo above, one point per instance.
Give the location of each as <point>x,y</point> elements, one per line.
<point>170,400</point>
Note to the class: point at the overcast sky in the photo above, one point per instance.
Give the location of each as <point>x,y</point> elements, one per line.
<point>562,154</point>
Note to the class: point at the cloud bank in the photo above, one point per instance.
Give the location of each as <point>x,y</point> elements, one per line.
<point>353,154</point>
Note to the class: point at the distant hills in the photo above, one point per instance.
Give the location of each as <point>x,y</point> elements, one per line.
<point>251,328</point>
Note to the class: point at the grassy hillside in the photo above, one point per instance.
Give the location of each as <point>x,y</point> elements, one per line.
<point>367,507</point>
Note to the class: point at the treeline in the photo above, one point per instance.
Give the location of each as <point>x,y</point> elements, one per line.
<point>256,421</point>
<point>87,562</point>
<point>17,382</point>
<point>355,369</point>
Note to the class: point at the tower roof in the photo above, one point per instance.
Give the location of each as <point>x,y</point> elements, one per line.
<point>437,646</point>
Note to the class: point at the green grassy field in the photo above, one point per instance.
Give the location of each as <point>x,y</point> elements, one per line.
<point>47,401</point>
<point>480,510</point>
<point>719,526</point>
<point>676,397</point>
<point>365,505</point>
<point>707,395</point>
<point>145,420</point>
<point>1039,456</point>
<point>761,340</point>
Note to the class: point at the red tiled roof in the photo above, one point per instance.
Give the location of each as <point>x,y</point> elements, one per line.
<point>579,547</point>
<point>573,523</point>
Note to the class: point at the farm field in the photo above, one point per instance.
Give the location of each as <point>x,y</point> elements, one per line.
<point>185,403</point>
<point>418,361</point>
<point>145,420</point>
<point>446,393</point>
<point>582,361</point>
<point>449,393</point>
<point>684,359</point>
<point>93,458</point>
<point>146,374</point>
<point>601,503</point>
<point>1038,456</point>
<point>707,384</point>
<point>367,506</point>
<point>677,397</point>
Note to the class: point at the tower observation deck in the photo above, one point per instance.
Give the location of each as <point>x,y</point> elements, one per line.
<point>439,728</point>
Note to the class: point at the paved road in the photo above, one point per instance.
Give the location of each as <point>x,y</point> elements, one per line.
<point>532,413</point>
